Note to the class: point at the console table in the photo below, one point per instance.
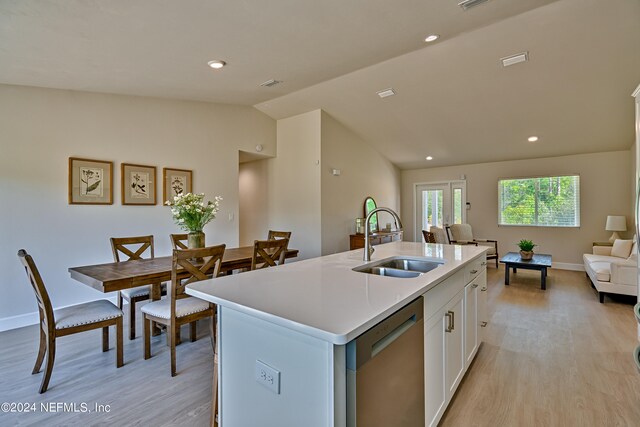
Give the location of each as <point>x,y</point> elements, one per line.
<point>356,241</point>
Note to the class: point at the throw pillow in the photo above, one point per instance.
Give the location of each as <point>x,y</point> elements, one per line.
<point>621,248</point>
<point>634,251</point>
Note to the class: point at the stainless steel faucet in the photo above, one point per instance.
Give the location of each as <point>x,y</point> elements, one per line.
<point>368,249</point>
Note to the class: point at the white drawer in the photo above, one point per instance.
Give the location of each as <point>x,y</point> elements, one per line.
<point>436,297</point>
<point>474,268</point>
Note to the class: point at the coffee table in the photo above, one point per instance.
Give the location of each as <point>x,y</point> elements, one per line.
<point>538,262</point>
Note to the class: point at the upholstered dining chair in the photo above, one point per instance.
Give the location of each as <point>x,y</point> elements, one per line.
<point>187,266</point>
<point>268,253</point>
<point>178,241</point>
<point>428,236</point>
<point>69,320</point>
<point>276,235</point>
<point>439,234</point>
<point>462,234</point>
<point>130,248</point>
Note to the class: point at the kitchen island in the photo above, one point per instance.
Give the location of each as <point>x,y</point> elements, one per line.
<point>294,321</point>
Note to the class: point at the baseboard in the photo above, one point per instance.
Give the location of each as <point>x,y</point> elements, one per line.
<point>567,266</point>
<point>22,320</point>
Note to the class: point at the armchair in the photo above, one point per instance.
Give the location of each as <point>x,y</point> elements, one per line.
<point>462,234</point>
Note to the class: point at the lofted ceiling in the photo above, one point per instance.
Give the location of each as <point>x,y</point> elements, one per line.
<point>454,100</point>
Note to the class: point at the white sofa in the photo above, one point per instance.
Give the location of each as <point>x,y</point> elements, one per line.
<point>613,269</point>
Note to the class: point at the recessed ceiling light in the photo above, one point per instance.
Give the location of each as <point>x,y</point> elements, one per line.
<point>386,92</point>
<point>532,139</point>
<point>429,158</point>
<point>216,64</point>
<point>431,38</point>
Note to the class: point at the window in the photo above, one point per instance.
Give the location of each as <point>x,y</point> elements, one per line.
<point>552,201</point>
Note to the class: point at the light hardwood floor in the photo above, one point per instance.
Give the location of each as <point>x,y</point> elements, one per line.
<point>550,358</point>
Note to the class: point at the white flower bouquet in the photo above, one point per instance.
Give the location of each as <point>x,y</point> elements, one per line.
<point>191,213</point>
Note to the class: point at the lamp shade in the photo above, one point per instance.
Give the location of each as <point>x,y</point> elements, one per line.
<point>616,223</point>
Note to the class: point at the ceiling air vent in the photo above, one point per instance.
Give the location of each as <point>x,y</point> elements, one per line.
<point>515,59</point>
<point>386,92</point>
<point>270,83</point>
<point>468,4</point>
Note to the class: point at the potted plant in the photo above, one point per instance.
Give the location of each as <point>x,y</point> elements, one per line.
<point>526,249</point>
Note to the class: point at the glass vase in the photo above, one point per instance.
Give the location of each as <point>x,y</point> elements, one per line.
<point>195,240</point>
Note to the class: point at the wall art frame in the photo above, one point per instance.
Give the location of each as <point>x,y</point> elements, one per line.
<point>176,181</point>
<point>90,181</point>
<point>138,184</point>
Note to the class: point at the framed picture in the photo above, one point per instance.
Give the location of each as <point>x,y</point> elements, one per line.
<point>90,182</point>
<point>176,181</point>
<point>138,184</point>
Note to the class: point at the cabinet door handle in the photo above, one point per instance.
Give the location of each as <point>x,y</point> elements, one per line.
<point>483,324</point>
<point>475,285</point>
<point>474,271</point>
<point>483,289</point>
<point>449,327</point>
<point>453,320</point>
<point>484,263</point>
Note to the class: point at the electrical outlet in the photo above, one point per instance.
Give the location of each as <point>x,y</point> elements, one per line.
<point>268,377</point>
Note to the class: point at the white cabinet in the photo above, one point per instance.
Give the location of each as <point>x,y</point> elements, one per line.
<point>483,316</point>
<point>453,313</point>
<point>444,357</point>
<point>454,361</point>
<point>471,321</point>
<point>434,358</point>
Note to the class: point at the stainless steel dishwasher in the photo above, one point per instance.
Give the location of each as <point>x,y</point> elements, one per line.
<point>385,372</point>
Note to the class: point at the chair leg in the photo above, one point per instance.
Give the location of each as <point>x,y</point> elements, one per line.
<point>147,337</point>
<point>119,343</point>
<point>132,319</point>
<point>41,351</point>
<point>172,333</point>
<point>48,368</point>
<point>192,331</point>
<point>105,339</point>
<point>119,298</point>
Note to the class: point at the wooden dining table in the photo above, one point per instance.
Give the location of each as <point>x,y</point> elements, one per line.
<point>116,276</point>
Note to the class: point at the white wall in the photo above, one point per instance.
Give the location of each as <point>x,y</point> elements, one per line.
<point>364,172</point>
<point>253,198</point>
<point>604,190</point>
<point>294,182</point>
<point>42,128</point>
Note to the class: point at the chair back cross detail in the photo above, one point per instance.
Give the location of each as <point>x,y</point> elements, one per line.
<point>268,253</point>
<point>125,247</point>
<point>178,241</point>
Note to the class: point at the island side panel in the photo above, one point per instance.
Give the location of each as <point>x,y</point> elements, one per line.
<point>306,366</point>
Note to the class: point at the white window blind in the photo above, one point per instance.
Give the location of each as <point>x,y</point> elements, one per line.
<point>552,201</point>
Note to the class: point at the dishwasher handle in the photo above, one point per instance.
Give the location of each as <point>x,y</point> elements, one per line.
<point>375,340</point>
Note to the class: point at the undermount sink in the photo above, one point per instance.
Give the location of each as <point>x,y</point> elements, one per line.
<point>403,267</point>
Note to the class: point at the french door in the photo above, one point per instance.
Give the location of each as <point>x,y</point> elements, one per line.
<point>440,204</point>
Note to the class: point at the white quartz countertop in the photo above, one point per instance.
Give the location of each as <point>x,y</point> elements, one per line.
<point>324,298</point>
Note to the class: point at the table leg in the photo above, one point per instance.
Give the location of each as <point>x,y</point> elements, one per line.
<point>506,274</point>
<point>543,273</point>
<point>156,294</point>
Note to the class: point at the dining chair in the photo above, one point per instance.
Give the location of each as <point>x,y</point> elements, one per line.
<point>131,248</point>
<point>68,320</point>
<point>462,234</point>
<point>268,253</point>
<point>178,241</point>
<point>187,266</point>
<point>428,236</point>
<point>276,235</point>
